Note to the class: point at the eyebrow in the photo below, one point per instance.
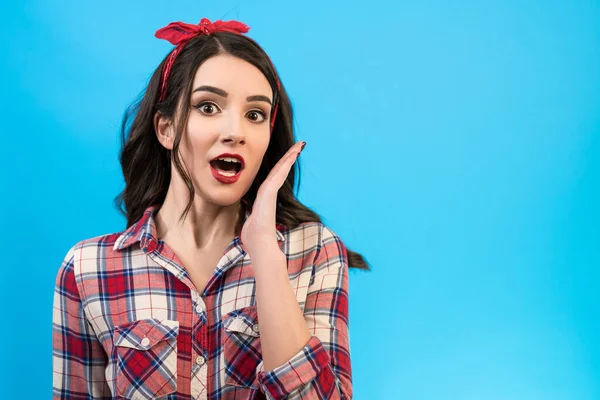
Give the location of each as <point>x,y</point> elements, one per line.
<point>222,93</point>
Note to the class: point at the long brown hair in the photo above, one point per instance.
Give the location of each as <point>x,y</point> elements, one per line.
<point>146,164</point>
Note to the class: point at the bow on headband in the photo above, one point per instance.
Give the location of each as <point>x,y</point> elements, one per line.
<point>179,33</point>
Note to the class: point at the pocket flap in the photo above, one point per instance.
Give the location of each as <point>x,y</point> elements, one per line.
<point>145,333</point>
<point>244,320</point>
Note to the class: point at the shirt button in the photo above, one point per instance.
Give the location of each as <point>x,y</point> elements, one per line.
<point>199,308</point>
<point>145,341</point>
<point>200,360</point>
<point>255,328</point>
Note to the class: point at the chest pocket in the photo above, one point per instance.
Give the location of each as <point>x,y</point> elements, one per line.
<point>146,365</point>
<point>241,347</point>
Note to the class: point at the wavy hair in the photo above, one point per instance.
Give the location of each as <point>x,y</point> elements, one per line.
<point>146,164</point>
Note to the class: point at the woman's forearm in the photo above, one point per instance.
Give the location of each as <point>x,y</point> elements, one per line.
<point>283,329</point>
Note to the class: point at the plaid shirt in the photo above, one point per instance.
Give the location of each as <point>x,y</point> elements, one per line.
<point>129,323</point>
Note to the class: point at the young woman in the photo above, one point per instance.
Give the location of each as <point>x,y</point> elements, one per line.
<point>223,285</point>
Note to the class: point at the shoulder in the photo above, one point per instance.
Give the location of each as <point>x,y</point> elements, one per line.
<point>316,238</point>
<point>316,232</point>
<point>106,240</point>
<point>87,255</point>
<point>89,248</point>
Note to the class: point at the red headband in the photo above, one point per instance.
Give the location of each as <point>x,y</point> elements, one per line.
<point>179,33</point>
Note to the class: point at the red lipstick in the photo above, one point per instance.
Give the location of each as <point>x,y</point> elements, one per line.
<point>228,179</point>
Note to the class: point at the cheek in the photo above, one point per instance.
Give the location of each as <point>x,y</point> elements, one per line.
<point>194,147</point>
<point>260,149</point>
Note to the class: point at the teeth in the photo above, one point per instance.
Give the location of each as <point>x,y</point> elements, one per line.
<point>230,159</point>
<point>226,173</point>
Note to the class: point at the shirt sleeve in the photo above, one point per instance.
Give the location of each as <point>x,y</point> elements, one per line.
<point>321,369</point>
<point>78,359</point>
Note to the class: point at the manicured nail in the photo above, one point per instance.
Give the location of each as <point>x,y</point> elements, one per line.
<point>303,144</point>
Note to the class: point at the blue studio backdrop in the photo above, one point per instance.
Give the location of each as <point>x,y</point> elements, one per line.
<point>456,145</point>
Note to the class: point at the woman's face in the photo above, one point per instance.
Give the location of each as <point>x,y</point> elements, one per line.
<point>230,107</point>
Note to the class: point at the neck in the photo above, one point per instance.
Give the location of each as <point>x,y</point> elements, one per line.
<point>206,224</point>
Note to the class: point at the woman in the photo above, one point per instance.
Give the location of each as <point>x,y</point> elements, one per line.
<point>223,285</point>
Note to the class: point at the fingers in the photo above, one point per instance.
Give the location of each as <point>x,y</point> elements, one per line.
<point>281,170</point>
<point>291,153</point>
<point>291,156</point>
<point>288,159</point>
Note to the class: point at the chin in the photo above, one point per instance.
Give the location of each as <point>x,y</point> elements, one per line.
<point>225,194</point>
<point>224,199</point>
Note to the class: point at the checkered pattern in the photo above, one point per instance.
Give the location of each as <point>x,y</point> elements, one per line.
<point>129,323</point>
<point>146,358</point>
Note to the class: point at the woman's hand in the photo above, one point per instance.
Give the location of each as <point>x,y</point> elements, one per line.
<point>259,229</point>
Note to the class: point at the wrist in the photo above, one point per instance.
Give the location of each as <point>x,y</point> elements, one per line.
<point>267,255</point>
<point>265,251</point>
<point>261,247</point>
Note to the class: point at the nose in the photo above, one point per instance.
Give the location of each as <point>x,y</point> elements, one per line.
<point>232,132</point>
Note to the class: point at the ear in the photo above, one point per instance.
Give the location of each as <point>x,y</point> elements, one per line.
<point>164,130</point>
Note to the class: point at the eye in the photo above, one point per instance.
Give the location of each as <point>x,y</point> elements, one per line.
<point>208,108</point>
<point>256,116</point>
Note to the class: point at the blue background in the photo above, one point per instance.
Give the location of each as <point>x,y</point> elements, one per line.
<point>454,144</point>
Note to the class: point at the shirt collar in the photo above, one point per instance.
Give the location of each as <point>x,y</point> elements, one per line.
<point>145,229</point>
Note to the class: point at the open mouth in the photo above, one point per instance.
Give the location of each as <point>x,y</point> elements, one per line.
<point>227,166</point>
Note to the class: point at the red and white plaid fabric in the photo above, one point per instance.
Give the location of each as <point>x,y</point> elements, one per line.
<point>128,322</point>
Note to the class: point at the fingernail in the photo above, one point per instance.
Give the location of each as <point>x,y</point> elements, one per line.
<point>303,144</point>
